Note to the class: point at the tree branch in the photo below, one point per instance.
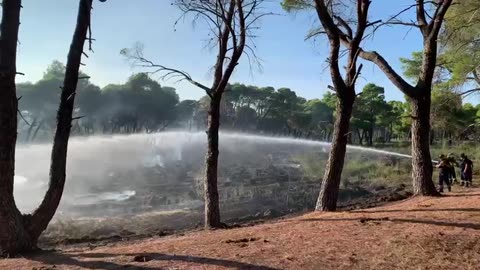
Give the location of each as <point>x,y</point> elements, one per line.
<point>223,45</point>
<point>439,15</point>
<point>391,74</point>
<point>23,118</point>
<point>468,92</point>
<point>333,33</point>
<point>238,51</point>
<point>476,75</point>
<point>345,25</point>
<point>358,72</point>
<point>373,23</point>
<point>422,21</point>
<point>138,59</point>
<point>398,22</point>
<point>430,41</point>
<point>78,117</point>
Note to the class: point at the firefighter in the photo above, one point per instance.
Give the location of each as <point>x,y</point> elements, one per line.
<point>466,168</point>
<point>453,163</point>
<point>443,174</point>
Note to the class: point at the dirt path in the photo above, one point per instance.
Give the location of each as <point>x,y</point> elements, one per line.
<point>419,233</point>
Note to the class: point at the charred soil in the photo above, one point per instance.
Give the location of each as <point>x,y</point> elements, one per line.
<point>417,233</point>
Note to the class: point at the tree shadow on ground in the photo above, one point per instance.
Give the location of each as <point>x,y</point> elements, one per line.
<point>54,258</point>
<point>465,225</point>
<point>467,194</point>
<point>373,211</point>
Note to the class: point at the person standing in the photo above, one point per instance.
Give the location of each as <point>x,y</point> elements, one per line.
<point>444,173</point>
<point>466,167</point>
<point>452,177</point>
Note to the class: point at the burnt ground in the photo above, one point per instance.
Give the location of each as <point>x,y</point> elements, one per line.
<point>101,231</point>
<point>417,233</point>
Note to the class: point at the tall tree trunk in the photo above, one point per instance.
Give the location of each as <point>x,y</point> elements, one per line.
<point>389,135</point>
<point>422,168</point>
<point>432,136</point>
<point>327,200</point>
<point>13,236</point>
<point>30,128</point>
<point>212,205</point>
<point>349,137</point>
<point>42,216</point>
<point>370,135</point>
<point>35,133</point>
<point>360,136</point>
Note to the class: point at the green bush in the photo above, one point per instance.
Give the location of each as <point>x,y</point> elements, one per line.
<point>361,169</point>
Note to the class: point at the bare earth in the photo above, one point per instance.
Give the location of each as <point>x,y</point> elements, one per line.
<point>419,233</point>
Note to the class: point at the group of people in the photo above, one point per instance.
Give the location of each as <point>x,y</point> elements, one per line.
<point>447,175</point>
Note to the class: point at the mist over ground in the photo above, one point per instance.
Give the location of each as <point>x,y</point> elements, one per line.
<point>134,174</point>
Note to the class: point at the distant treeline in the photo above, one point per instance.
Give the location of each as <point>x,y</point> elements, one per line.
<point>143,105</point>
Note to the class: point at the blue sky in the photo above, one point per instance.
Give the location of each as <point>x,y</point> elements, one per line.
<point>287,59</point>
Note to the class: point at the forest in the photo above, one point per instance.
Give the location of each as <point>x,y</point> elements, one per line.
<point>143,105</point>
<point>65,110</point>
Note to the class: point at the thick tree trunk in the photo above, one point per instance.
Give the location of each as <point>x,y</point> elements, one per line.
<point>13,237</point>
<point>212,205</point>
<point>42,216</point>
<point>422,168</point>
<point>327,200</point>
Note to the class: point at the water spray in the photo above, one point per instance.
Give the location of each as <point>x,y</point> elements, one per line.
<point>110,168</point>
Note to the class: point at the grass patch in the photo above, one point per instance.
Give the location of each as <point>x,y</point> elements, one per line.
<point>361,169</point>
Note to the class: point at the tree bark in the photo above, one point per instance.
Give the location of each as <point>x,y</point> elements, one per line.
<point>327,199</point>
<point>42,216</point>
<point>422,168</point>
<point>13,237</point>
<point>212,205</point>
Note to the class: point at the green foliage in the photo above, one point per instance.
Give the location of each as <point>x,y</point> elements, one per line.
<point>460,54</point>
<point>446,111</point>
<point>313,164</point>
<point>463,64</point>
<point>361,168</point>
<point>55,71</point>
<point>458,63</point>
<point>449,118</point>
<point>468,114</point>
<point>143,105</point>
<point>295,5</point>
<point>371,111</point>
<point>411,67</point>
<point>399,117</point>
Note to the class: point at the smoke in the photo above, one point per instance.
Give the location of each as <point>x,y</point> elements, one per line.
<point>120,172</point>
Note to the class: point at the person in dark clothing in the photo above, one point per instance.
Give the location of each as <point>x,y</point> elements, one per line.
<point>452,177</point>
<point>466,168</point>
<point>444,173</point>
